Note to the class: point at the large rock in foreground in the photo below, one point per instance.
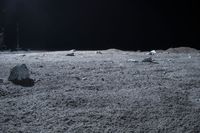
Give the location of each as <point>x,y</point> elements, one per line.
<point>20,75</point>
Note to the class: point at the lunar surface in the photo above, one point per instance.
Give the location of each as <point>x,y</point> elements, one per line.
<point>110,91</point>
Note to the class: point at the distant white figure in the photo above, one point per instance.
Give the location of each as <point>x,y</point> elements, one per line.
<point>153,52</point>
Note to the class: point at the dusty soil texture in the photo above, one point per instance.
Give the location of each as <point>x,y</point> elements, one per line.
<point>112,92</point>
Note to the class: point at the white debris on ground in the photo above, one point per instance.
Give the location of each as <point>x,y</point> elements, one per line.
<point>20,75</point>
<point>85,78</point>
<point>132,60</point>
<point>189,56</point>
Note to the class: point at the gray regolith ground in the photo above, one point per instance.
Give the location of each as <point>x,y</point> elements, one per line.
<point>102,93</point>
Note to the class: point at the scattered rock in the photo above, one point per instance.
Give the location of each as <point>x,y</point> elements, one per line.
<point>132,60</point>
<point>70,54</point>
<point>98,52</point>
<point>23,55</point>
<point>153,52</point>
<point>84,78</point>
<point>20,75</point>
<point>1,81</point>
<point>77,78</point>
<point>3,92</point>
<point>149,59</point>
<point>38,80</point>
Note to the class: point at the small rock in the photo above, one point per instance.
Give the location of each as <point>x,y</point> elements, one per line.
<point>70,54</point>
<point>132,60</point>
<point>1,81</point>
<point>20,75</point>
<point>3,92</point>
<point>84,78</point>
<point>148,60</point>
<point>77,78</point>
<point>98,52</point>
<point>23,55</point>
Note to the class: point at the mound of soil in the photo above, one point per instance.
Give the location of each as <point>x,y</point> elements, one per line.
<point>182,50</point>
<point>113,50</point>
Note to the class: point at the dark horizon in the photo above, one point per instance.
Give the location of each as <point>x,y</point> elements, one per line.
<point>89,24</point>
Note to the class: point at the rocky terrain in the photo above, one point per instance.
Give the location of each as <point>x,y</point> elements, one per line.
<point>110,91</point>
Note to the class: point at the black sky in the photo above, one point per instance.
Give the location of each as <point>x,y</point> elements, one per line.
<point>101,24</point>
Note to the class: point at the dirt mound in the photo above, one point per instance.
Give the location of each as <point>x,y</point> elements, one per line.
<point>182,50</point>
<point>113,50</point>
